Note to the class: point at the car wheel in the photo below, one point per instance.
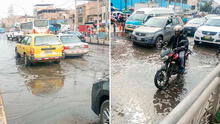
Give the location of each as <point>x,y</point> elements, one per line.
<point>104,112</point>
<point>17,54</point>
<point>27,62</point>
<point>159,42</point>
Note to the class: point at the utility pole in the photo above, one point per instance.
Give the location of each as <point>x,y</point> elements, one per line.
<point>98,18</point>
<point>75,17</point>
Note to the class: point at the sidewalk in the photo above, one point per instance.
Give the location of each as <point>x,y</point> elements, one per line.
<point>93,40</point>
<point>2,112</point>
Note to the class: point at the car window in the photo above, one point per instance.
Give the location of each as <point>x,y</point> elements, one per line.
<point>47,40</point>
<point>29,40</point>
<point>175,21</point>
<point>24,41</point>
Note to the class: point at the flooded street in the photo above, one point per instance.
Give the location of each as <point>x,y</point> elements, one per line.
<point>50,93</point>
<point>135,98</point>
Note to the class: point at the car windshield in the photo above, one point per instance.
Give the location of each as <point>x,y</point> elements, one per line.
<point>40,23</point>
<point>197,21</point>
<point>137,17</point>
<point>156,22</point>
<point>213,22</point>
<point>47,40</point>
<point>70,39</point>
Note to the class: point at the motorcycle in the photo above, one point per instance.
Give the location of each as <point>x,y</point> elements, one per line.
<point>170,67</point>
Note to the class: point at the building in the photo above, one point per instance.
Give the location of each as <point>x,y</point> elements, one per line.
<point>88,12</point>
<point>48,11</point>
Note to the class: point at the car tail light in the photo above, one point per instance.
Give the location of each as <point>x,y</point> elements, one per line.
<point>66,47</point>
<point>63,49</point>
<point>32,51</point>
<point>86,46</point>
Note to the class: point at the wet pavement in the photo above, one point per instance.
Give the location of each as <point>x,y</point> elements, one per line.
<point>135,99</point>
<point>50,93</point>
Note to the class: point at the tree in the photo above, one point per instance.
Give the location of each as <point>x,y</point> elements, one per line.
<point>207,7</point>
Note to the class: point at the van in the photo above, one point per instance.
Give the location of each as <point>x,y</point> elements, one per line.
<point>140,16</point>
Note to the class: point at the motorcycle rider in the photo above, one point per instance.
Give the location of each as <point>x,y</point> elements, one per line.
<point>180,47</point>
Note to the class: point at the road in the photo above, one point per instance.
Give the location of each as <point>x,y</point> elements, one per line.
<point>50,93</point>
<point>135,99</point>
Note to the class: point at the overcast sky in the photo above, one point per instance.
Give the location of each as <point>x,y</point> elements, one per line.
<point>20,6</point>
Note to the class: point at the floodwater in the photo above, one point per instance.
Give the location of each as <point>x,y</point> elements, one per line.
<point>50,93</point>
<point>135,99</point>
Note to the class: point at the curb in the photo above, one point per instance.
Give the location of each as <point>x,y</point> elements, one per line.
<point>3,119</point>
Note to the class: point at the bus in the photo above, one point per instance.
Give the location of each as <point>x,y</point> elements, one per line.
<point>38,26</point>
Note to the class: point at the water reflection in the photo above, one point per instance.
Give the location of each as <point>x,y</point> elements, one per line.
<point>42,79</point>
<point>45,86</point>
<point>165,101</point>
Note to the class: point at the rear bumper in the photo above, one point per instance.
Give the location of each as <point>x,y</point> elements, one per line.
<point>46,59</point>
<point>76,53</point>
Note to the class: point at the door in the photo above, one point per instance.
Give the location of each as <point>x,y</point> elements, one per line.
<point>167,30</point>
<point>25,45</point>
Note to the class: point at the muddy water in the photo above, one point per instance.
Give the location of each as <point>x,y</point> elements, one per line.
<point>135,99</point>
<point>50,93</point>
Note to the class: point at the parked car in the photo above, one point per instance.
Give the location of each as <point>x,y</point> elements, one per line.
<point>100,100</point>
<point>208,33</point>
<point>73,45</point>
<point>40,48</point>
<point>155,30</point>
<point>140,16</point>
<point>14,35</point>
<point>191,26</point>
<point>78,34</point>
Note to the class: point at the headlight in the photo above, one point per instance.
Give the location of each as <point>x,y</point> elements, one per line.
<point>149,34</point>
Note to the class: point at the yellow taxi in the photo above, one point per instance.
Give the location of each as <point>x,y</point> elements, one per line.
<point>40,48</point>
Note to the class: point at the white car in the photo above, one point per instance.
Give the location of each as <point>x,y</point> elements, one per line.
<point>73,45</point>
<point>208,33</point>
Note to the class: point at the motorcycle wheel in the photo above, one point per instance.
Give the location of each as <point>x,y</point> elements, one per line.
<point>161,80</point>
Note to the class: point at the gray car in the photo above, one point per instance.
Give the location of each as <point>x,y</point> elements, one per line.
<point>73,45</point>
<point>155,30</point>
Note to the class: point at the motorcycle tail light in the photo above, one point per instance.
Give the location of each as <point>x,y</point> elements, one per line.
<point>176,56</point>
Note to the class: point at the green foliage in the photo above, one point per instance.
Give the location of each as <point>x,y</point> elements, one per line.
<point>217,116</point>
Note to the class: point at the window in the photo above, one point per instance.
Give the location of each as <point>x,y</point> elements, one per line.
<point>29,40</point>
<point>175,21</point>
<point>80,19</point>
<point>24,41</point>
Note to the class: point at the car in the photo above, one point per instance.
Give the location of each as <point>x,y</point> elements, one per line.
<point>78,34</point>
<point>140,16</point>
<point>191,26</point>
<point>208,33</point>
<point>155,30</point>
<point>100,100</point>
<point>73,45</point>
<point>40,48</point>
<point>14,34</point>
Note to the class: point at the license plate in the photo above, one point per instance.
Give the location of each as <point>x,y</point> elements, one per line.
<point>207,37</point>
<point>48,51</point>
<point>138,38</point>
<point>189,31</point>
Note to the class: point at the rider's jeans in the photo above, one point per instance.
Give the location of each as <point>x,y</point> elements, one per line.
<point>181,58</point>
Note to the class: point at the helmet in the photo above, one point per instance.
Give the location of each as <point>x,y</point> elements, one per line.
<point>178,28</point>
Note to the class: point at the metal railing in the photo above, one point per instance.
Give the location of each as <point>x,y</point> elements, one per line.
<point>200,105</point>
